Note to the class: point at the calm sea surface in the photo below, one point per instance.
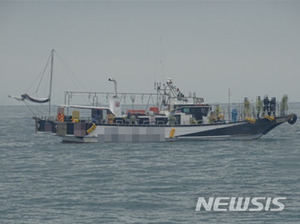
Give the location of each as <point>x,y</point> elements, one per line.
<point>45,181</point>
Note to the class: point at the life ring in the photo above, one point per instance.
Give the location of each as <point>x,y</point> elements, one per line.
<point>60,117</point>
<point>293,119</point>
<point>92,128</point>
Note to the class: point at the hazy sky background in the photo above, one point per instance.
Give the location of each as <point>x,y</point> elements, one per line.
<point>251,47</point>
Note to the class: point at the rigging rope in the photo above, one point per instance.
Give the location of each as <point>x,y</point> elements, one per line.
<point>41,109</point>
<point>70,73</point>
<point>44,71</point>
<point>34,109</point>
<point>40,76</point>
<point>28,107</point>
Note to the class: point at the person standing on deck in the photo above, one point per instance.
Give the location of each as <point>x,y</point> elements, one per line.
<point>266,105</point>
<point>273,106</point>
<point>246,107</point>
<point>258,106</point>
<point>284,105</point>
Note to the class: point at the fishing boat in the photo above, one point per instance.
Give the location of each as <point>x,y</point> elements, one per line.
<point>170,116</point>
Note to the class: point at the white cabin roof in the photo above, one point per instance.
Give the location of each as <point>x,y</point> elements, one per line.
<point>85,107</point>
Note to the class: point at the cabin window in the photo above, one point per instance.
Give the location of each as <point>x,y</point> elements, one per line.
<point>96,115</point>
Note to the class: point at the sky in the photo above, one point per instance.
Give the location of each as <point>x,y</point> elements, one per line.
<point>207,47</point>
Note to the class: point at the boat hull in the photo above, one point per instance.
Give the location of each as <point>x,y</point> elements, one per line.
<point>243,130</point>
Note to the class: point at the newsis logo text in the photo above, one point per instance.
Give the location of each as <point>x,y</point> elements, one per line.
<point>254,204</point>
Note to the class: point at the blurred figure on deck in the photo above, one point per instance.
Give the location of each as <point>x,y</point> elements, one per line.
<point>273,106</point>
<point>246,107</point>
<point>258,106</point>
<point>284,105</point>
<point>266,105</point>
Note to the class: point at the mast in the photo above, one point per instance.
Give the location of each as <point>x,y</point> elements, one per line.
<point>229,95</point>
<point>115,82</point>
<point>51,76</point>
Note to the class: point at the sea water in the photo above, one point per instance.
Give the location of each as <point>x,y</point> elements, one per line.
<point>43,180</point>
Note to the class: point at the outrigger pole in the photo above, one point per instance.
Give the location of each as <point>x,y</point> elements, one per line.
<point>51,76</point>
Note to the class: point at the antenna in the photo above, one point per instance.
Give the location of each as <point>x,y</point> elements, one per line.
<point>162,60</point>
<point>51,77</point>
<point>229,95</point>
